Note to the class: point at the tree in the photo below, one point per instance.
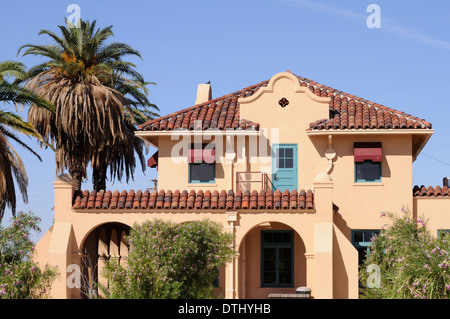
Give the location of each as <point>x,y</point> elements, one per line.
<point>411,263</point>
<point>11,165</point>
<point>170,261</point>
<point>122,157</point>
<point>79,78</point>
<point>20,276</point>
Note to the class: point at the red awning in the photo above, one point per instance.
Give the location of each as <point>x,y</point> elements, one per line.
<point>362,154</point>
<point>201,155</point>
<point>209,156</point>
<point>195,156</point>
<point>153,161</point>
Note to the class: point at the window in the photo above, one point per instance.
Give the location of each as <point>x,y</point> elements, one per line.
<point>277,258</point>
<point>361,239</point>
<point>441,232</point>
<point>285,156</point>
<point>367,171</point>
<point>215,283</point>
<point>202,166</point>
<point>202,173</point>
<point>368,157</point>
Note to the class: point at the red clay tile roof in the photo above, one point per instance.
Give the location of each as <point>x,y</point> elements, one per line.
<point>179,200</point>
<point>346,112</point>
<point>220,113</point>
<point>431,191</point>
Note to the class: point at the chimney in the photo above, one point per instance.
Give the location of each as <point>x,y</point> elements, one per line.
<point>203,93</point>
<point>445,181</point>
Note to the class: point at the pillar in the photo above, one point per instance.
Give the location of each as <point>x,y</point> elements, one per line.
<point>231,268</point>
<point>323,238</point>
<point>62,241</point>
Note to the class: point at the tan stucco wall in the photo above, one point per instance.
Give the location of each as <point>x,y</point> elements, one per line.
<point>435,210</point>
<point>289,124</point>
<point>360,204</point>
<point>173,173</point>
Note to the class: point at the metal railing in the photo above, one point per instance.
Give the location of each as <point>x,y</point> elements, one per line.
<point>262,181</point>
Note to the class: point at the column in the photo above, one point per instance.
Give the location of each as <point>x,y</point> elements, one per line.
<point>230,268</point>
<point>323,237</point>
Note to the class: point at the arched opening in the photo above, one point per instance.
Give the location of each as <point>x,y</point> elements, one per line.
<point>271,260</point>
<point>104,243</point>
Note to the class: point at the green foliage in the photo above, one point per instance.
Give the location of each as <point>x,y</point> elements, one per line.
<point>170,261</point>
<point>12,169</point>
<point>98,99</point>
<point>20,276</point>
<point>413,263</point>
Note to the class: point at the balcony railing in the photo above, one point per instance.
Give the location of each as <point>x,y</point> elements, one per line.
<point>251,181</point>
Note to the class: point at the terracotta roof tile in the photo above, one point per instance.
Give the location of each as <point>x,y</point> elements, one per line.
<point>261,199</point>
<point>220,113</point>
<point>254,200</point>
<point>431,191</point>
<point>346,112</point>
<point>183,200</point>
<point>269,199</point>
<point>293,199</point>
<point>197,200</point>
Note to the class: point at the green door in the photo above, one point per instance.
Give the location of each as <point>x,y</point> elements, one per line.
<point>284,167</point>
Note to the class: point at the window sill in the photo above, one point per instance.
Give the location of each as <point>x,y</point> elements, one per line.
<point>369,184</point>
<point>202,184</point>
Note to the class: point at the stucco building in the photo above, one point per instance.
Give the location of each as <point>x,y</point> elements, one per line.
<point>297,171</point>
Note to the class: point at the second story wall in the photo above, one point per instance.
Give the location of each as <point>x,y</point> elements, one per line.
<point>284,153</point>
<point>361,203</point>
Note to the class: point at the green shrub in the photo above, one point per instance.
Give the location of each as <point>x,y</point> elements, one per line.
<point>169,261</point>
<point>412,263</point>
<point>20,276</point>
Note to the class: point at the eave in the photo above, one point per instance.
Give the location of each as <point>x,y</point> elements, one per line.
<point>152,136</point>
<point>420,137</point>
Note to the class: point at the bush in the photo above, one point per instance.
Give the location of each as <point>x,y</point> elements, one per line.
<point>20,276</point>
<point>168,260</point>
<point>412,263</point>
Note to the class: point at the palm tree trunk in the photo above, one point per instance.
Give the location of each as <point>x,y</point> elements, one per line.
<point>76,173</point>
<point>99,178</point>
<point>76,169</point>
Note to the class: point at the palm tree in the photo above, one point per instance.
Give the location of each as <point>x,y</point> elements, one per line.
<point>79,78</point>
<point>137,110</point>
<point>11,165</point>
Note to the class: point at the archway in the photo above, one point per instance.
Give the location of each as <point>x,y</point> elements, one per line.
<point>271,260</point>
<point>106,242</point>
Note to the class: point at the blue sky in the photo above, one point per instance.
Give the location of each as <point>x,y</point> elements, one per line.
<point>404,64</point>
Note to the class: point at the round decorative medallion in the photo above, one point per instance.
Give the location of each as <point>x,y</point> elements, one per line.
<point>283,102</point>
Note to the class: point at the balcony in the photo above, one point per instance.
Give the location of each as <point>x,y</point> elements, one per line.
<point>251,181</point>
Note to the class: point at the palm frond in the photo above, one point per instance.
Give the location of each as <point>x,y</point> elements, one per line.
<point>12,169</point>
<point>52,52</point>
<point>15,94</point>
<point>14,137</point>
<point>12,69</point>
<point>97,95</point>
